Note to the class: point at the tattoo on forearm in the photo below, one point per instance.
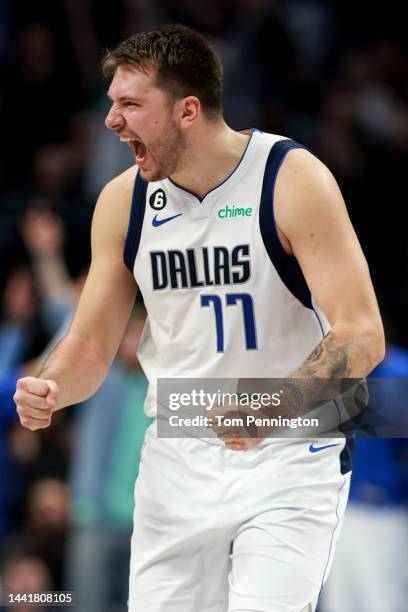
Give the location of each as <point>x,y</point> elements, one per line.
<point>328,361</point>
<point>321,378</point>
<point>316,353</point>
<point>338,363</point>
<point>294,400</point>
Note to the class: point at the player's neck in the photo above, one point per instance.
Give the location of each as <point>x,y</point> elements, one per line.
<point>212,155</point>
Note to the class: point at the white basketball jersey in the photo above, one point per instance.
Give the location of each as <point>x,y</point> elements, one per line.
<point>224,299</point>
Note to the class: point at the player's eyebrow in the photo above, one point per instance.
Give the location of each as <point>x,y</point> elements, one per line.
<point>121,98</point>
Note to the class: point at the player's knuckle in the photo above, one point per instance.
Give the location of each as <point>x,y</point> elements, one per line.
<point>18,396</point>
<point>21,411</point>
<point>25,421</point>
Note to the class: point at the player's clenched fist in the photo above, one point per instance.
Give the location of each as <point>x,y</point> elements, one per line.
<point>36,400</point>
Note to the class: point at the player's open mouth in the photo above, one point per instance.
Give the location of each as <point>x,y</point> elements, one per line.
<point>138,148</point>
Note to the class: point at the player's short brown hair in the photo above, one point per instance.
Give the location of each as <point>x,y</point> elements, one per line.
<point>185,64</point>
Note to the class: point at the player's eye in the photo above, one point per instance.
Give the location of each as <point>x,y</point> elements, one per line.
<point>128,103</point>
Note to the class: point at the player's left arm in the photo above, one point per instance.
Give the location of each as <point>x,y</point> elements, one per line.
<point>314,226</point>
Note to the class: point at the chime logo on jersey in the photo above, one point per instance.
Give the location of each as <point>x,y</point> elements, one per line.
<point>158,200</point>
<point>205,267</point>
<point>230,212</point>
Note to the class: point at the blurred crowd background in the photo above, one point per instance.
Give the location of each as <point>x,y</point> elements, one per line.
<point>330,74</point>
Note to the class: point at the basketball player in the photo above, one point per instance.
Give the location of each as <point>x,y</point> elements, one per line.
<point>228,294</point>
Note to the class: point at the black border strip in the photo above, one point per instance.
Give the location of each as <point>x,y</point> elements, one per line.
<point>137,212</point>
<point>286,265</point>
<point>347,455</point>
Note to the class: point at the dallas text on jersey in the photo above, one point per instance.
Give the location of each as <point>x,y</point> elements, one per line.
<point>219,265</point>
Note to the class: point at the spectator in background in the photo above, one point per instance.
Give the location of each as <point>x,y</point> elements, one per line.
<point>43,235</point>
<point>8,416</point>
<point>107,157</point>
<point>109,432</point>
<point>41,77</point>
<point>109,435</point>
<point>370,571</point>
<point>25,327</point>
<point>44,528</point>
<point>21,334</point>
<point>23,572</point>
<point>33,496</point>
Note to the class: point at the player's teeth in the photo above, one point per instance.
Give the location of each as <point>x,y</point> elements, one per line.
<point>124,139</point>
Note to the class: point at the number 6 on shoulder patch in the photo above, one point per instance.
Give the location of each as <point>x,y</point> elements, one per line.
<point>158,200</point>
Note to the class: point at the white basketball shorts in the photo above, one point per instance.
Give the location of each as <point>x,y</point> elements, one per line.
<point>217,530</point>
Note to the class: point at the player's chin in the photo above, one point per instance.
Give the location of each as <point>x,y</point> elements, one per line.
<point>152,173</point>
<point>147,174</point>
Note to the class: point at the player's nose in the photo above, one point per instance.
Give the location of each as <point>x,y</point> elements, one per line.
<point>114,120</point>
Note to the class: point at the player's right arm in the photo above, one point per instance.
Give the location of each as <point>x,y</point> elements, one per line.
<point>78,365</point>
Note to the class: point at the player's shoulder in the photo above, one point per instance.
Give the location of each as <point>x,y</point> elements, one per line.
<point>301,165</point>
<point>305,188</point>
<point>116,196</point>
<point>113,206</point>
<point>122,185</point>
<point>294,158</point>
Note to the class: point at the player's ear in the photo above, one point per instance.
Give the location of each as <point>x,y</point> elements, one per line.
<point>189,110</point>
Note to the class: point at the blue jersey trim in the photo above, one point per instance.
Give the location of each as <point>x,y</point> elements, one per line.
<point>286,265</point>
<point>137,212</point>
<point>332,536</point>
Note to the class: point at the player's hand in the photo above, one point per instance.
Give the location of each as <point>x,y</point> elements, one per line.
<point>238,436</point>
<point>36,400</point>
<point>242,444</point>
